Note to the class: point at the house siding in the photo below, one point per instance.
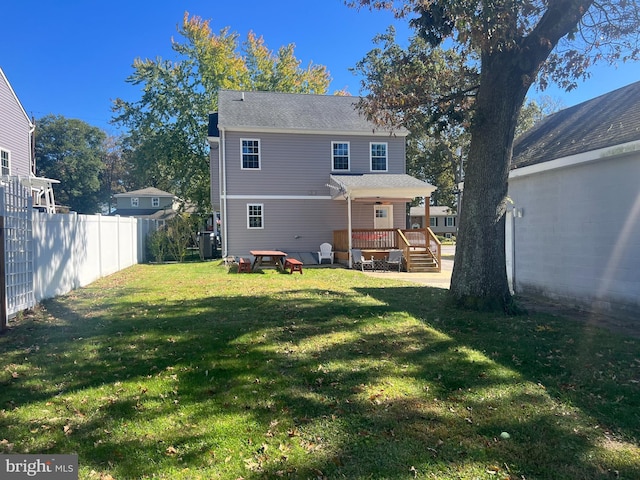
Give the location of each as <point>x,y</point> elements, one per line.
<point>14,130</point>
<point>144,203</point>
<point>299,164</point>
<point>296,225</point>
<point>291,184</point>
<point>578,239</point>
<point>289,225</point>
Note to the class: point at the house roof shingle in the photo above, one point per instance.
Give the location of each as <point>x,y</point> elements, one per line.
<point>145,192</point>
<point>392,185</point>
<point>608,120</point>
<point>292,112</point>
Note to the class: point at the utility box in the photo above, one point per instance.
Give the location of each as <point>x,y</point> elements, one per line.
<point>205,240</point>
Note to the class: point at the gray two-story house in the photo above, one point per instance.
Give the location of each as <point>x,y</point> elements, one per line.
<point>149,202</point>
<point>292,171</point>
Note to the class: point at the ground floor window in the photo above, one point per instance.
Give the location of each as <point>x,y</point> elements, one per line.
<point>255,215</point>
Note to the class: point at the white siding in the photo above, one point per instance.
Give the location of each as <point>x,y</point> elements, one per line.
<point>579,235</point>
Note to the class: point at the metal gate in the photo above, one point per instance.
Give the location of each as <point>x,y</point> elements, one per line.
<point>16,210</point>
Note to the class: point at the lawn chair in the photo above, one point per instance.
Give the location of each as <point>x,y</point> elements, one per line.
<point>357,259</point>
<point>325,252</point>
<point>394,258</point>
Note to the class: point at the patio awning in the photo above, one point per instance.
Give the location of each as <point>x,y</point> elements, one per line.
<point>378,186</point>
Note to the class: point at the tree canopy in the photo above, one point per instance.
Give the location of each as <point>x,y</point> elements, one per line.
<point>71,151</point>
<point>502,47</point>
<point>167,127</point>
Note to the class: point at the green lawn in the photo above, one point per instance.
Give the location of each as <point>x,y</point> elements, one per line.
<point>190,372</point>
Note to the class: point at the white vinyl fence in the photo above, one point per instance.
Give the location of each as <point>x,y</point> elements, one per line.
<point>71,251</point>
<point>43,255</point>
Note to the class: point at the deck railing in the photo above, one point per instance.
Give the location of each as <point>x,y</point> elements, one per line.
<point>381,241</point>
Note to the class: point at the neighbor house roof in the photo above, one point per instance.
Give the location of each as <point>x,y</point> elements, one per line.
<point>434,211</point>
<point>145,192</point>
<point>15,97</point>
<point>397,186</point>
<point>605,121</point>
<point>290,112</point>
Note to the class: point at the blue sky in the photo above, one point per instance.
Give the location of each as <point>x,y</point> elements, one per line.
<point>71,57</point>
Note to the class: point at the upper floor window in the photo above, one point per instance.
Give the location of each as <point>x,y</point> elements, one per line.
<point>450,221</point>
<point>255,215</point>
<point>379,157</point>
<point>250,153</point>
<point>433,221</point>
<point>155,202</point>
<point>340,155</point>
<point>5,162</point>
<point>135,201</point>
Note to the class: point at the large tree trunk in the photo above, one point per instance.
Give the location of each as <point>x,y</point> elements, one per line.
<point>479,278</point>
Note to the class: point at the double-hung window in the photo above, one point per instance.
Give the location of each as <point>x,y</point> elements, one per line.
<point>340,156</point>
<point>250,154</point>
<point>433,221</point>
<point>155,202</point>
<point>5,162</point>
<point>450,221</point>
<point>378,157</point>
<point>135,201</point>
<point>255,215</point>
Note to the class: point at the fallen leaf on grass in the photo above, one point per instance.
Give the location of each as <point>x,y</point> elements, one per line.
<point>171,451</point>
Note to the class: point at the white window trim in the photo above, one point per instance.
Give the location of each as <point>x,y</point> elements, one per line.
<point>333,164</point>
<point>8,152</point>
<point>386,149</point>
<point>242,167</point>
<point>449,222</point>
<point>249,205</point>
<point>155,202</point>
<point>135,202</point>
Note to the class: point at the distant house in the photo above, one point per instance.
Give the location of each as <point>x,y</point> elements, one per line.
<point>443,221</point>
<point>147,203</point>
<point>573,233</point>
<point>292,171</point>
<point>17,150</point>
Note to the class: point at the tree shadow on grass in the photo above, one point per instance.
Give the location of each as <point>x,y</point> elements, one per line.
<point>307,383</point>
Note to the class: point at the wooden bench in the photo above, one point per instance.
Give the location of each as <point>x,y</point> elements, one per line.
<point>293,265</point>
<point>244,265</point>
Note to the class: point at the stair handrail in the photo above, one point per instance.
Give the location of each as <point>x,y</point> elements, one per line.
<point>405,245</point>
<point>434,244</point>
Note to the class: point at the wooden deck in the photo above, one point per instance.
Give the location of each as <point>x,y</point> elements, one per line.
<point>421,248</point>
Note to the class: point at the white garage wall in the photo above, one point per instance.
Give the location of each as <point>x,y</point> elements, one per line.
<point>579,235</point>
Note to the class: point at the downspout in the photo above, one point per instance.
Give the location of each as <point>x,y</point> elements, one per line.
<point>222,172</point>
<point>32,149</point>
<point>349,230</point>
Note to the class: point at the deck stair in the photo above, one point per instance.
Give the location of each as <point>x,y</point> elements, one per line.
<point>422,261</point>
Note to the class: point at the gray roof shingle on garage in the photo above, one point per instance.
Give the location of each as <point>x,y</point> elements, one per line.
<point>292,112</point>
<point>605,121</point>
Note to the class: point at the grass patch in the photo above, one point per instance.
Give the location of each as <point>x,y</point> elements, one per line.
<point>184,371</point>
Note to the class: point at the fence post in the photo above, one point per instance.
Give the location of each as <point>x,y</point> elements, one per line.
<point>4,323</point>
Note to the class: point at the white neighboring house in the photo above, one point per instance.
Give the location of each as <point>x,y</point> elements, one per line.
<point>573,233</point>
<point>16,148</point>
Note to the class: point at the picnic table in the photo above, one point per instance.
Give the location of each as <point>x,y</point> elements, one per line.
<point>272,258</point>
